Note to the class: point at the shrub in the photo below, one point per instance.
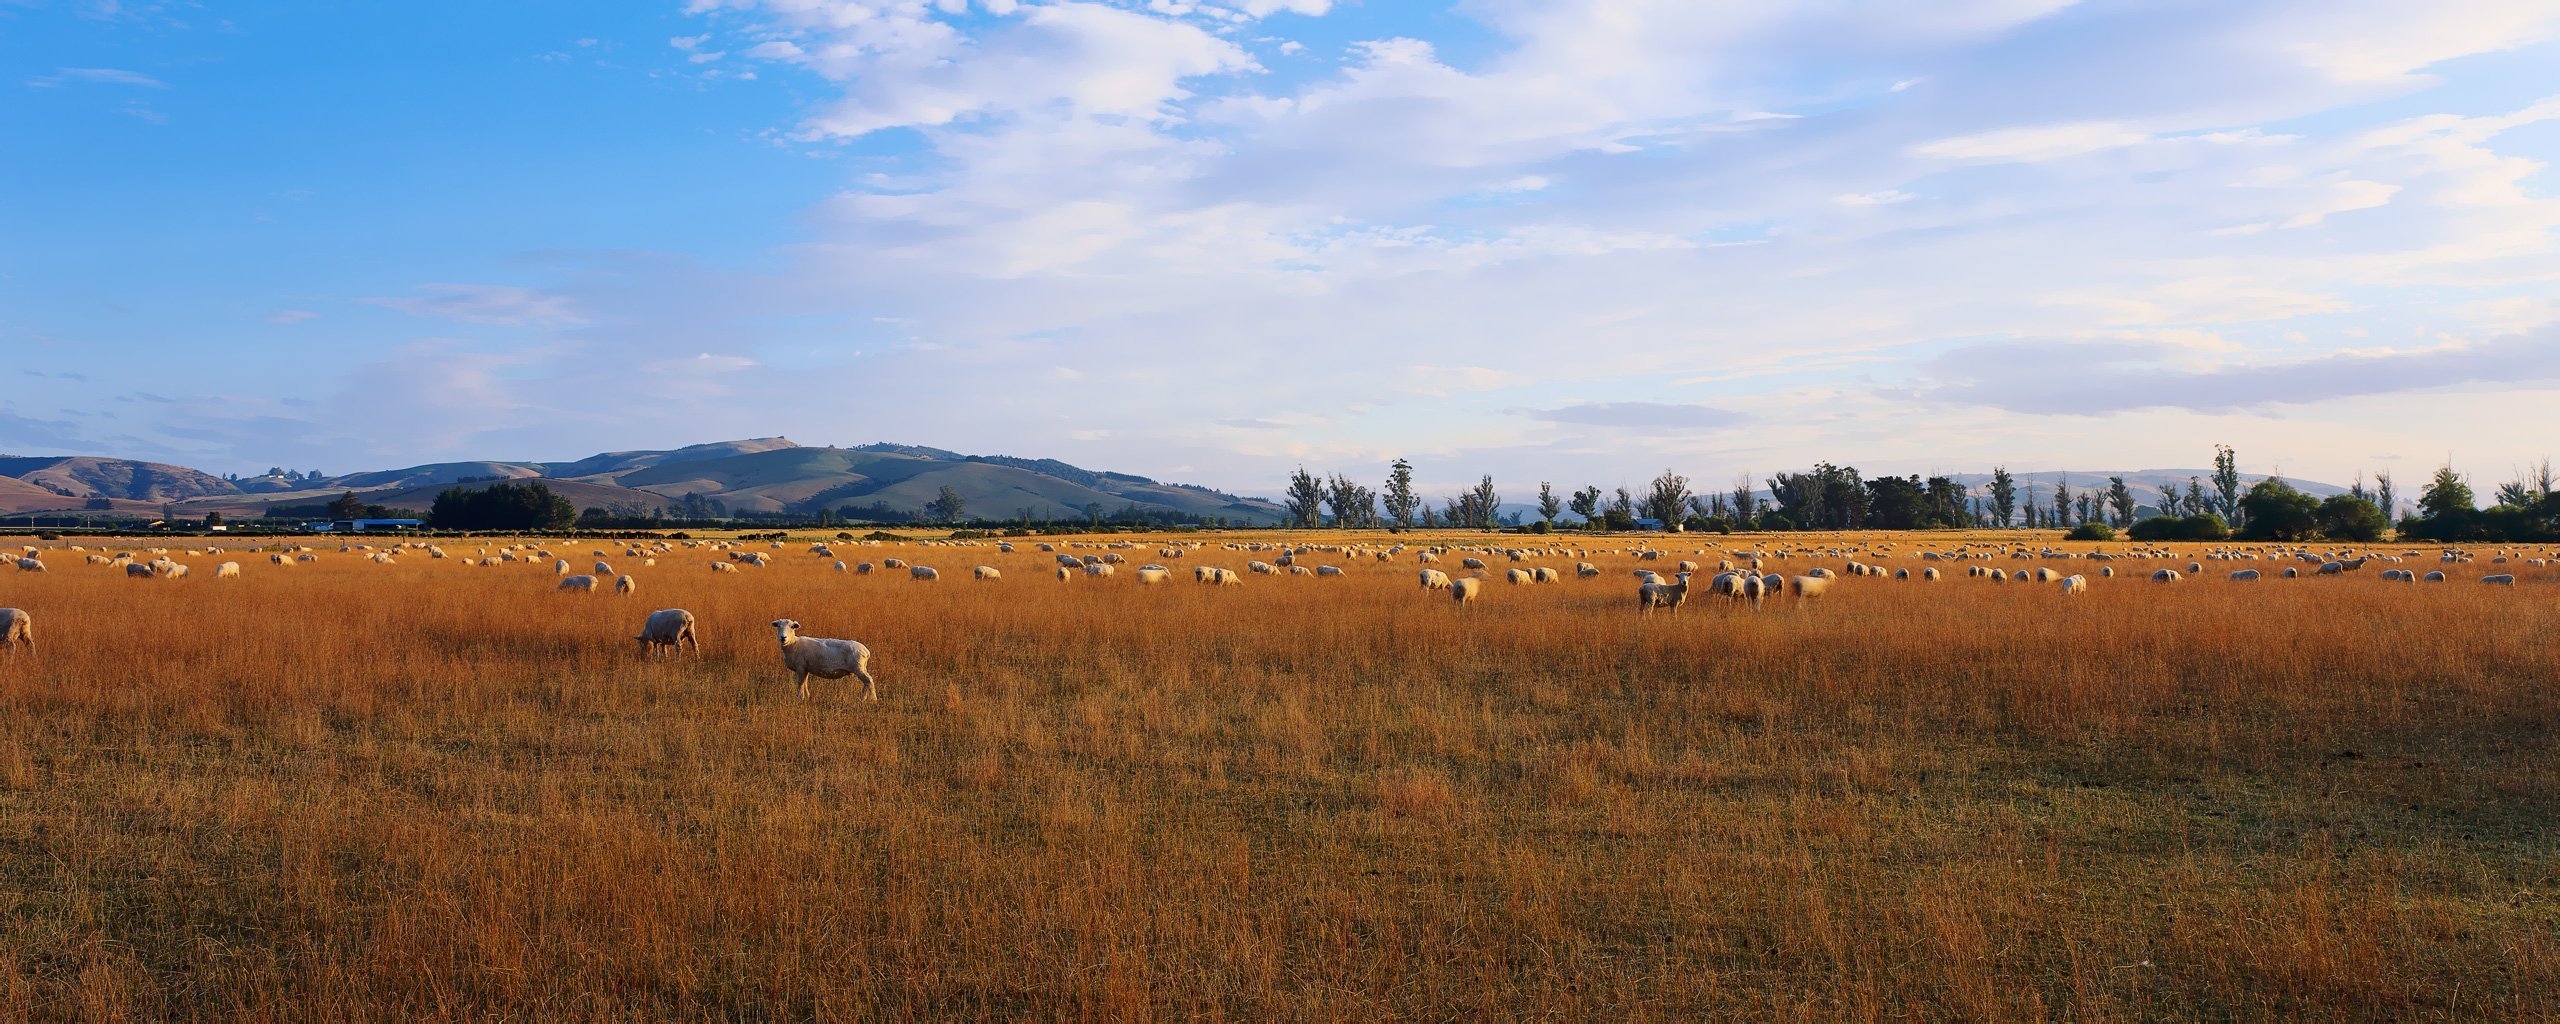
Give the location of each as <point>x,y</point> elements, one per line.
<point>2091,531</point>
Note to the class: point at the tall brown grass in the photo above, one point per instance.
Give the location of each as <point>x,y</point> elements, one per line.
<point>352,791</point>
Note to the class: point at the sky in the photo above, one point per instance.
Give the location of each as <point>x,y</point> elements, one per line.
<point>1214,240</point>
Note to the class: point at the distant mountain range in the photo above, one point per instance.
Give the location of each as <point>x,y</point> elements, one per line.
<point>773,475</point>
<point>758,475</point>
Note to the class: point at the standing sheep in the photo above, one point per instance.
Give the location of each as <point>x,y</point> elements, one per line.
<point>625,586</point>
<point>227,571</point>
<point>1650,596</point>
<point>1434,579</point>
<point>671,629</point>
<point>1807,588</point>
<point>923,574</point>
<point>805,656</point>
<point>582,583</point>
<point>1465,588</point>
<point>29,564</point>
<point>17,628</point>
<point>2075,586</point>
<point>986,572</point>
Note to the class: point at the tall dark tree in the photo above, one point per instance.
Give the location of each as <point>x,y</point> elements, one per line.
<point>2350,518</point>
<point>1487,504</point>
<point>2119,502</point>
<point>2226,484</point>
<point>948,506</point>
<point>2062,500</point>
<point>2004,496</point>
<point>1586,503</point>
<point>1549,506</point>
<point>1354,507</point>
<point>1897,503</point>
<point>1305,500</point>
<point>2447,494</point>
<point>1666,497</point>
<point>1400,499</point>
<point>348,506</point>
<point>1746,500</point>
<point>501,506</point>
<point>2384,496</point>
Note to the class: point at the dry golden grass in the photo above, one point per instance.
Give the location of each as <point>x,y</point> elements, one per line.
<point>352,791</point>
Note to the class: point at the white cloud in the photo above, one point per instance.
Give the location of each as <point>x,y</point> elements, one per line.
<point>94,76</point>
<point>2043,142</point>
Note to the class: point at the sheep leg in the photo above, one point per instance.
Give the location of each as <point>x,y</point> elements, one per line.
<point>870,687</point>
<point>804,686</point>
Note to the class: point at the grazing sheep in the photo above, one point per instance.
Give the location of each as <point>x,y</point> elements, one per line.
<point>625,586</point>
<point>1328,570</point>
<point>2292,573</point>
<point>671,628</point>
<point>2500,580</point>
<point>1264,568</point>
<point>1752,589</point>
<point>1932,573</point>
<point>892,563</point>
<point>923,574</point>
<point>1516,577</point>
<point>17,628</point>
<point>1300,570</point>
<point>985,572</point>
<point>1434,579</point>
<point>138,570</point>
<point>2167,576</point>
<point>1471,563</point>
<point>2075,584</point>
<point>1151,574</point>
<point>1585,570</point>
<point>1098,569</point>
<point>723,567</point>
<point>2435,577</point>
<point>558,568</point>
<point>863,569</point>
<point>1465,588</point>
<point>2245,576</point>
<point>581,583</point>
<point>1542,574</point>
<point>227,571</point>
<point>603,569</point>
<point>1809,587</point>
<point>2046,575</point>
<point>1650,596</point>
<point>1065,573</point>
<point>29,564</point>
<point>805,656</point>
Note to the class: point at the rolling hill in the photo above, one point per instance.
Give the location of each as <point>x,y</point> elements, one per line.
<point>769,475</point>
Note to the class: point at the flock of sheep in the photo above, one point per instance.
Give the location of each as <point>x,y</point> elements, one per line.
<point>1742,577</point>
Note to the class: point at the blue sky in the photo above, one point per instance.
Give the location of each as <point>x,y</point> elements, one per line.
<point>1211,240</point>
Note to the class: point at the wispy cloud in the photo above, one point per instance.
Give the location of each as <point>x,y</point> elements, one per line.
<point>94,76</point>
<point>501,305</point>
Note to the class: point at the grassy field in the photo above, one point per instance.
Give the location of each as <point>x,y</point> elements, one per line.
<point>355,791</point>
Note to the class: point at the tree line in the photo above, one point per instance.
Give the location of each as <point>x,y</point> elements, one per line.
<point>1835,497</point>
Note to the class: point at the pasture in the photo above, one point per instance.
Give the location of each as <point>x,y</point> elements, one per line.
<point>350,790</point>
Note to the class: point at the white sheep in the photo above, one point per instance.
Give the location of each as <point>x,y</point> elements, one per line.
<point>2245,576</point>
<point>625,586</point>
<point>1328,570</point>
<point>805,656</point>
<point>604,569</point>
<point>2167,576</point>
<point>2500,580</point>
<point>558,568</point>
<point>2075,585</point>
<point>17,628</point>
<point>1585,570</point>
<point>1752,589</point>
<point>1465,588</point>
<point>1650,596</point>
<point>671,628</point>
<point>986,572</point>
<point>581,583</point>
<point>1152,574</point>
<point>723,567</point>
<point>1098,569</point>
<point>1516,577</point>
<point>227,571</point>
<point>29,564</point>
<point>1809,587</point>
<point>1434,579</point>
<point>923,574</point>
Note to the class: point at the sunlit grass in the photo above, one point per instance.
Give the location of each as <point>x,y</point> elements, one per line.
<point>348,790</point>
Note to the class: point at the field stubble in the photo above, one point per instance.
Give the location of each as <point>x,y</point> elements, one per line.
<point>354,791</point>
